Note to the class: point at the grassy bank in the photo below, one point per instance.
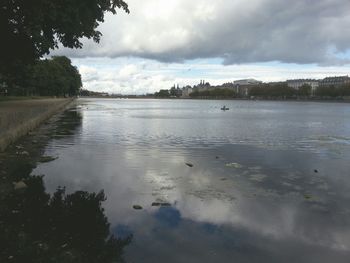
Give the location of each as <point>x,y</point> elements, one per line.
<point>18,117</point>
<point>12,98</point>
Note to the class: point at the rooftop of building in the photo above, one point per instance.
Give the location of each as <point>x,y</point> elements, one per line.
<point>336,78</point>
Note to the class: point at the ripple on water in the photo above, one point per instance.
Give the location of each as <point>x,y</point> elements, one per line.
<point>137,151</point>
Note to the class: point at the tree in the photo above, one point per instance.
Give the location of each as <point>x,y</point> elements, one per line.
<point>51,77</point>
<point>273,91</point>
<point>333,91</point>
<point>30,29</point>
<point>163,93</point>
<point>72,78</point>
<point>305,90</point>
<point>214,93</point>
<point>172,91</point>
<point>56,228</point>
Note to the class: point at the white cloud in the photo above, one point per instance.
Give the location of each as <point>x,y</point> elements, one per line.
<point>237,31</point>
<point>250,38</point>
<point>88,73</point>
<point>141,76</point>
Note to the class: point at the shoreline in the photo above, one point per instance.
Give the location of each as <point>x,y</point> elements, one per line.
<point>18,117</point>
<point>223,99</point>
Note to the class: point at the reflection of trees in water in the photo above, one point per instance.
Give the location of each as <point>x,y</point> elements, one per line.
<point>37,227</point>
<point>19,165</point>
<point>68,123</point>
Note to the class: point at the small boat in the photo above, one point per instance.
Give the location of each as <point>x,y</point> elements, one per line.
<point>224,108</point>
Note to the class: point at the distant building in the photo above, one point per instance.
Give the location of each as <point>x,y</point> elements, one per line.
<point>277,83</point>
<point>202,86</point>
<point>227,85</point>
<point>175,91</point>
<point>297,83</point>
<point>335,81</point>
<point>244,82</point>
<point>243,86</point>
<point>186,91</point>
<point>178,92</point>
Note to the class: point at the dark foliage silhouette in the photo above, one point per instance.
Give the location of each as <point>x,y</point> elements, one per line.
<point>38,227</point>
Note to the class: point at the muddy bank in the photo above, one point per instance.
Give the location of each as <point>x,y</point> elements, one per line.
<point>17,118</point>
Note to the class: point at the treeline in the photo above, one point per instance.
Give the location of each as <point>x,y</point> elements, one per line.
<point>278,91</point>
<point>282,91</point>
<point>216,93</point>
<point>163,93</point>
<point>30,30</point>
<point>333,92</point>
<point>88,93</point>
<point>49,77</point>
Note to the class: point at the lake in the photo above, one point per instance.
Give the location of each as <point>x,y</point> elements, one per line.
<point>264,181</point>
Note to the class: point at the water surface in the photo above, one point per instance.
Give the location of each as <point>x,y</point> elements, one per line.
<point>269,183</point>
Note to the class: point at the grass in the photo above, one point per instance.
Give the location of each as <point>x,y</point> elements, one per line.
<point>11,98</point>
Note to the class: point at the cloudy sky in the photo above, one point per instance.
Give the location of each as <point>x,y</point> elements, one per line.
<point>162,42</point>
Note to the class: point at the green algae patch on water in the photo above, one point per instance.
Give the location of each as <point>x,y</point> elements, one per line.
<point>307,196</point>
<point>234,165</point>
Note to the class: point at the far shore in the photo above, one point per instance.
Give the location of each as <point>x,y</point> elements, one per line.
<point>8,99</point>
<point>342,100</point>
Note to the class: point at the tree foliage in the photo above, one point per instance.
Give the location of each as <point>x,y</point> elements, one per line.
<point>49,77</point>
<point>30,29</point>
<point>214,93</point>
<point>333,92</point>
<point>305,90</point>
<point>56,228</point>
<point>163,93</point>
<point>280,90</point>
